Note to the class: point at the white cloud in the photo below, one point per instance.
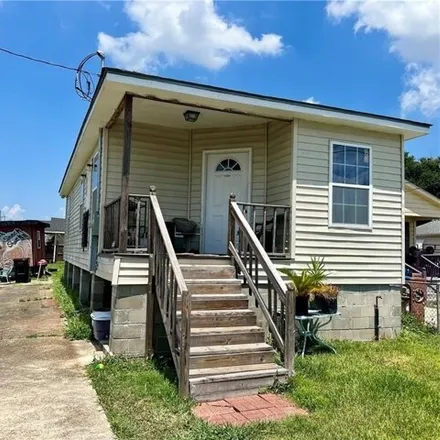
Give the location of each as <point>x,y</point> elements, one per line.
<point>414,30</point>
<point>311,100</point>
<point>15,212</point>
<point>183,31</point>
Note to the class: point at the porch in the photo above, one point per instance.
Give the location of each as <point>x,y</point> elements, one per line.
<point>195,166</point>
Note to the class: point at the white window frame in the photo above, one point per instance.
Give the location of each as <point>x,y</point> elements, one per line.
<point>38,239</point>
<point>369,226</point>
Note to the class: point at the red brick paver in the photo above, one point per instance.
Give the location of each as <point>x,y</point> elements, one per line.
<point>246,409</point>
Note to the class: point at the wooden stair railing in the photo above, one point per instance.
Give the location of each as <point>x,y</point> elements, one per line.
<point>167,284</point>
<point>279,310</point>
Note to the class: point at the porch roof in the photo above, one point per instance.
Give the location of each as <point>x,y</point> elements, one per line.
<point>115,83</point>
<point>420,204</point>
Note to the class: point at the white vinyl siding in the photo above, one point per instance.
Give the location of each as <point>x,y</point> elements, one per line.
<point>73,252</point>
<point>418,206</point>
<point>352,256</point>
<point>222,139</point>
<point>279,163</point>
<point>160,157</point>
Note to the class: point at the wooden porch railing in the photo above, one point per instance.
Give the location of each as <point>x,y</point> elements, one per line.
<point>168,285</point>
<point>248,254</point>
<point>138,209</point>
<point>271,226</point>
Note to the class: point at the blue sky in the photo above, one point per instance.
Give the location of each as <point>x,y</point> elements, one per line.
<point>316,53</point>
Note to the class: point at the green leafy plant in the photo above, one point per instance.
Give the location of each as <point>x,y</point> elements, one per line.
<point>309,278</point>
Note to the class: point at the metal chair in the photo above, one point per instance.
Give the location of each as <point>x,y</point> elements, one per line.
<point>5,274</point>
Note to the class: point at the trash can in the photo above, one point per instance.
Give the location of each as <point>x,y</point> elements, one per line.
<point>101,324</point>
<point>22,270</point>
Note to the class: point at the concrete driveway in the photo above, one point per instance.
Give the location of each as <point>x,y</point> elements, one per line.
<point>44,393</point>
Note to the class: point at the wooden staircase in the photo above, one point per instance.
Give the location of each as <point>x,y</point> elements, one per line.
<point>217,347</point>
<point>228,354</point>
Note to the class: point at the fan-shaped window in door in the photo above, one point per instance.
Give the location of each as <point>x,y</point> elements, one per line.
<point>228,165</point>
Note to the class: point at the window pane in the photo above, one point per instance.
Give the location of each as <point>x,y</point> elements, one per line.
<point>351,155</point>
<point>363,177</point>
<point>338,195</point>
<point>349,214</point>
<point>338,173</point>
<point>361,215</point>
<point>338,154</point>
<point>363,156</point>
<point>362,197</point>
<point>350,174</point>
<point>337,213</point>
<point>349,196</point>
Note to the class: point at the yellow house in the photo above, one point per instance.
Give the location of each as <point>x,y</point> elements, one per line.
<point>153,234</point>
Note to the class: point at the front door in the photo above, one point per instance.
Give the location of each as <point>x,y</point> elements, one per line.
<point>225,173</point>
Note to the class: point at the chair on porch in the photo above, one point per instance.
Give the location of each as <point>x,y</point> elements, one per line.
<point>268,236</point>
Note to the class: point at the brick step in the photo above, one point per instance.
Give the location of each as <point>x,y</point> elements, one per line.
<point>222,318</point>
<point>241,383</point>
<point>226,335</point>
<point>230,355</point>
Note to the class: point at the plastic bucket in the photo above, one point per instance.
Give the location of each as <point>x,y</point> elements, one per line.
<point>101,324</point>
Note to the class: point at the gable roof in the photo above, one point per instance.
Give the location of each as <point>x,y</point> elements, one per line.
<point>115,83</point>
<point>429,229</point>
<point>56,224</point>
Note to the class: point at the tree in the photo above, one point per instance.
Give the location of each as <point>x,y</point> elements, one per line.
<point>424,173</point>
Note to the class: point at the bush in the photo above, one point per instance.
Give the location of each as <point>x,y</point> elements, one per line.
<point>77,322</point>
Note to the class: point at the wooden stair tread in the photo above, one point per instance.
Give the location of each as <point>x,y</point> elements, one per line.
<point>213,281</point>
<point>230,349</point>
<point>231,313</point>
<point>216,296</point>
<point>223,330</point>
<point>240,375</point>
<point>205,372</point>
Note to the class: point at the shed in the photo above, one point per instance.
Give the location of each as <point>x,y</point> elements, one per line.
<point>54,238</point>
<point>22,239</point>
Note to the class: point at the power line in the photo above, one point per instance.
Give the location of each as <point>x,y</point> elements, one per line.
<point>47,63</point>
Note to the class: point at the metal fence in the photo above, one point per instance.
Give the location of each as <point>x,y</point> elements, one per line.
<point>421,298</point>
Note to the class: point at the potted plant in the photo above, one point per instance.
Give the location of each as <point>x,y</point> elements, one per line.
<point>305,281</point>
<point>326,297</point>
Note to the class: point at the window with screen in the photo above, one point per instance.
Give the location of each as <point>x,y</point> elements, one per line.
<point>350,185</point>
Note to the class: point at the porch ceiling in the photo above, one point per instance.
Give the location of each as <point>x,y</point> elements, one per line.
<point>171,115</point>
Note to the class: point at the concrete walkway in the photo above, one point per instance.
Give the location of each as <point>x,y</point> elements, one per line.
<point>44,393</point>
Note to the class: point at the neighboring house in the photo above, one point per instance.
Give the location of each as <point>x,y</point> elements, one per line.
<point>22,239</point>
<point>54,238</point>
<point>312,181</point>
<point>428,235</point>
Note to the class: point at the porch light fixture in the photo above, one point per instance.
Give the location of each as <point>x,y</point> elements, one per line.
<point>191,116</point>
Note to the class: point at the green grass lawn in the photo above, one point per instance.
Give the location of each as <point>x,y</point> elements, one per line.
<point>77,321</point>
<point>377,390</point>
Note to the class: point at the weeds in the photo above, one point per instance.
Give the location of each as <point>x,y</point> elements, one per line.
<point>77,317</point>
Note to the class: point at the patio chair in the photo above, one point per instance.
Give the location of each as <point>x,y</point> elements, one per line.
<point>5,274</point>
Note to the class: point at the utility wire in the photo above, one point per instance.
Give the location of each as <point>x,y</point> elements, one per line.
<point>48,63</point>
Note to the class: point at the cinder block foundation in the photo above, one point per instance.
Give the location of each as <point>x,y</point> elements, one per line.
<point>75,278</point>
<point>356,305</point>
<point>127,331</point>
<point>84,287</point>
<point>97,289</point>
